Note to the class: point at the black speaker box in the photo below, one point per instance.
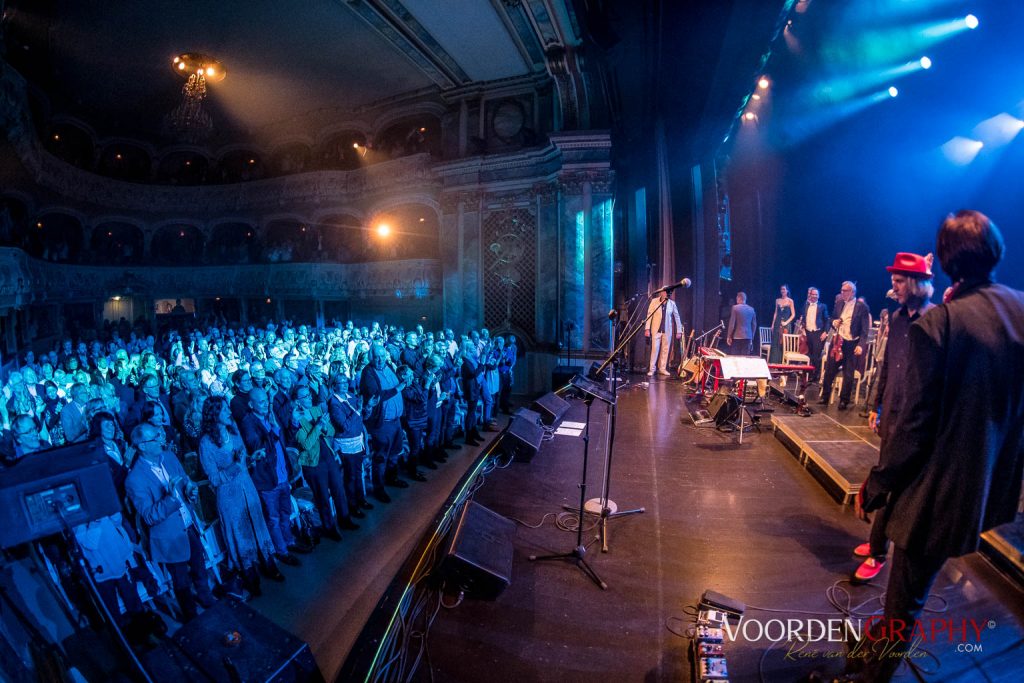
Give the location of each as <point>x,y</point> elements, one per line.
<point>551,407</point>
<point>523,439</point>
<point>479,558</point>
<point>528,415</point>
<point>207,649</point>
<point>561,375</point>
<point>723,408</point>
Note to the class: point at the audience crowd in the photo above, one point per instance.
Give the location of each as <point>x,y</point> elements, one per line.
<point>234,449</point>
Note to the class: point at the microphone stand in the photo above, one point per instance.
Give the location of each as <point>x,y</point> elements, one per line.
<point>604,506</point>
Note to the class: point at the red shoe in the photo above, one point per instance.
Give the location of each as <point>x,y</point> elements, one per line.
<point>863,550</point>
<point>867,570</point>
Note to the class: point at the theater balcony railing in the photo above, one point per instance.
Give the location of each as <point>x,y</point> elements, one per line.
<point>27,281</point>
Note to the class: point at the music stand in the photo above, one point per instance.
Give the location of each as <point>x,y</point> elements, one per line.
<point>577,555</point>
<point>744,368</point>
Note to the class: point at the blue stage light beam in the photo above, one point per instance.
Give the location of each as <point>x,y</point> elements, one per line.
<point>997,131</point>
<point>796,129</point>
<point>839,89</point>
<point>961,151</point>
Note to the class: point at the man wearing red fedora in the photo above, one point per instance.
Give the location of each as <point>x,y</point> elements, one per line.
<point>912,288</point>
<point>950,466</point>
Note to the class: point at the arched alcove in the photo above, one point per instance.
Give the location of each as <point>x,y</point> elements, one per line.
<point>70,143</point>
<point>410,135</point>
<point>125,161</point>
<point>290,240</point>
<point>59,237</point>
<point>413,232</point>
<point>343,151</point>
<point>177,244</point>
<point>233,242</point>
<point>117,243</point>
<point>183,168</point>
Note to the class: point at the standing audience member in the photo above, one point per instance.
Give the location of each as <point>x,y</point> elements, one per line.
<point>382,405</point>
<point>271,473</point>
<point>158,489</point>
<point>951,467</point>
<point>222,453</point>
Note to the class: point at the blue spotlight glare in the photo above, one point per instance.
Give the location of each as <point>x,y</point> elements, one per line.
<point>971,21</point>
<point>961,151</point>
<point>893,92</point>
<point>998,130</point>
<point>926,63</point>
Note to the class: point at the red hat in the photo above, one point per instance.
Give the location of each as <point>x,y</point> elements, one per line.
<point>913,265</point>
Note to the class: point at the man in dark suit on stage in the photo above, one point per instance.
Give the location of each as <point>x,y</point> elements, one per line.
<point>851,322</point>
<point>816,320</point>
<point>952,465</point>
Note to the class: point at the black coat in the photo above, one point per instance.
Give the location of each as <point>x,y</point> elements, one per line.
<point>954,459</point>
<point>256,436</point>
<point>860,323</point>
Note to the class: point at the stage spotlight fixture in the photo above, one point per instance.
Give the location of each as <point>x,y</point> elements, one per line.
<point>893,91</point>
<point>355,145</point>
<point>750,116</point>
<point>971,21</point>
<point>926,63</point>
<point>755,97</point>
<point>763,83</point>
<point>383,229</point>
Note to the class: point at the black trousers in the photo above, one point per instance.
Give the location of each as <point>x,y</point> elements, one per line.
<point>505,391</point>
<point>910,580</point>
<point>814,347</point>
<point>849,365</point>
<point>414,433</point>
<point>327,482</point>
<point>189,574</point>
<point>740,347</point>
<point>385,446</point>
<point>352,468</point>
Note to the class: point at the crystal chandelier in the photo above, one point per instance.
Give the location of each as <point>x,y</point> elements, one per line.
<point>189,122</point>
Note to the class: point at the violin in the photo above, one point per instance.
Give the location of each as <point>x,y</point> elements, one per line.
<point>835,350</point>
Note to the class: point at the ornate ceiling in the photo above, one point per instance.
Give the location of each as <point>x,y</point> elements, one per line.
<point>288,64</point>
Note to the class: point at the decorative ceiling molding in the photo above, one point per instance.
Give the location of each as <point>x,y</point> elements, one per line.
<point>403,37</point>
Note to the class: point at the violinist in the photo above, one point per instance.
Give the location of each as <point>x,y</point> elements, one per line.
<point>850,326</point>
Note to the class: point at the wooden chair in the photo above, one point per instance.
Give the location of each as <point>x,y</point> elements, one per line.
<point>791,351</point>
<point>765,334</point>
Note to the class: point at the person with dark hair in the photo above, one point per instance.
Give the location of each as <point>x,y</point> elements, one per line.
<point>414,419</point>
<point>911,277</point>
<point>240,401</point>
<point>815,318</point>
<point>782,323</point>
<point>222,453</point>
<point>349,443</point>
<point>951,467</point>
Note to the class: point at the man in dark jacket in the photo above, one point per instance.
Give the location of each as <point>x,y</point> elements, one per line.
<point>952,465</point>
<point>271,473</point>
<point>851,321</point>
<point>383,409</point>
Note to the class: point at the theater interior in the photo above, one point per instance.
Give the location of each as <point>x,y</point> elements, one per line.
<point>237,197</point>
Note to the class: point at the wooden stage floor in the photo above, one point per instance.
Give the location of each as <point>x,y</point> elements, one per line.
<point>748,521</point>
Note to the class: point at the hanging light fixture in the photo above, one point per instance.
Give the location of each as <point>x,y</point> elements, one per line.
<point>189,122</point>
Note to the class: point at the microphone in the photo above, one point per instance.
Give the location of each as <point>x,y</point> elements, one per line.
<point>685,282</point>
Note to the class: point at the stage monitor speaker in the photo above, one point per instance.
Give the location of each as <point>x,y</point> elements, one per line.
<point>42,492</point>
<point>551,407</point>
<point>723,408</point>
<point>528,415</point>
<point>233,642</point>
<point>523,439</point>
<point>479,558</point>
<point>561,375</point>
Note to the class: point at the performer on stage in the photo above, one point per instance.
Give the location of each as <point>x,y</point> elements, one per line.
<point>664,324</point>
<point>815,317</point>
<point>852,322</point>
<point>912,287</point>
<point>951,467</point>
<point>742,328</point>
